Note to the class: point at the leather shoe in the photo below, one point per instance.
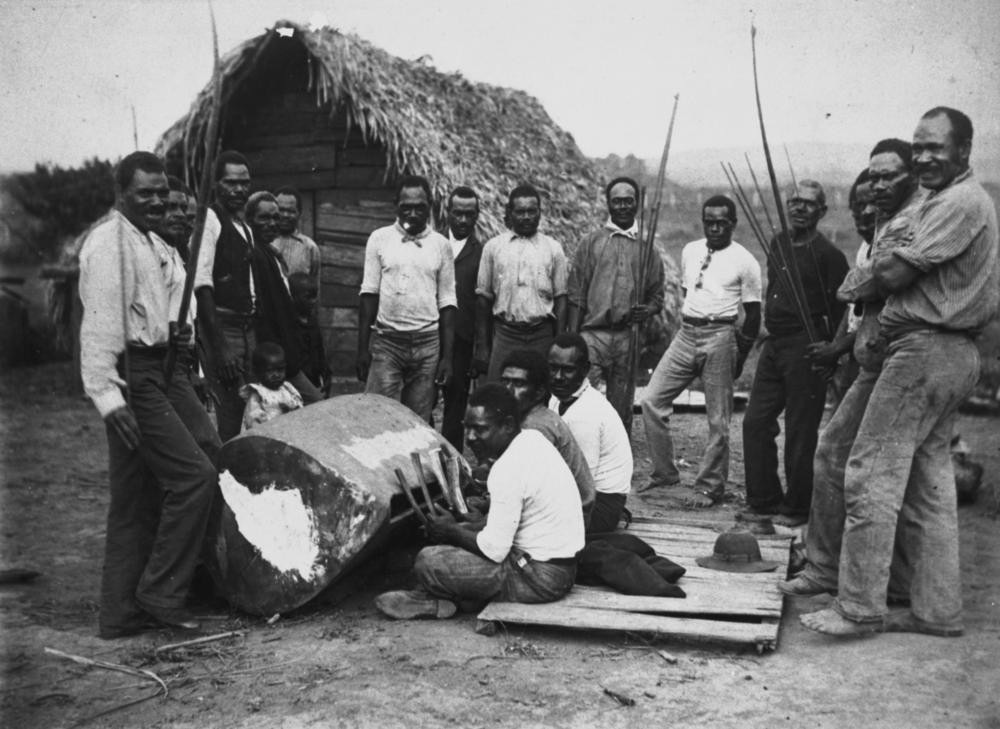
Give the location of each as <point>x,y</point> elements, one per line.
<point>410,604</point>
<point>174,617</point>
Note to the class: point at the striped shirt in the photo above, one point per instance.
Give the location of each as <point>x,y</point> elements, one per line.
<point>522,276</point>
<point>955,246</point>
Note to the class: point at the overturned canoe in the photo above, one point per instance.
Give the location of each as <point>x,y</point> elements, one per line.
<point>308,495</point>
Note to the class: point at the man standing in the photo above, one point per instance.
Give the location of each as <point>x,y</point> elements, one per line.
<point>718,276</point>
<point>161,444</point>
<point>899,202</point>
<point>526,549</point>
<point>224,287</point>
<point>526,374</point>
<point>408,303</point>
<point>521,286</point>
<point>943,289</point>
<point>609,294</point>
<point>298,252</point>
<point>596,427</point>
<point>463,212</point>
<point>785,379</point>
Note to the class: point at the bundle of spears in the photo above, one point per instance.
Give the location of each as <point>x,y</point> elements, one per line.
<point>446,471</point>
<point>777,248</point>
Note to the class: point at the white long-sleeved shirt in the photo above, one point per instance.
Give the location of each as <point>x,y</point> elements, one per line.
<point>131,284</point>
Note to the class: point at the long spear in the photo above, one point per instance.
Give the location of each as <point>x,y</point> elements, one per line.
<point>204,191</point>
<point>785,238</point>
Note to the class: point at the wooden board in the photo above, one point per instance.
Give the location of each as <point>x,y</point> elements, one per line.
<point>727,607</point>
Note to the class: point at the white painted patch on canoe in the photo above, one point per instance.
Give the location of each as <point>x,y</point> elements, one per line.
<point>375,449</point>
<point>277,523</point>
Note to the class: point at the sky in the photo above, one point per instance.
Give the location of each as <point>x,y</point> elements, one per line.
<point>839,72</point>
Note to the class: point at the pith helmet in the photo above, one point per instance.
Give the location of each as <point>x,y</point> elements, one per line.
<point>736,551</point>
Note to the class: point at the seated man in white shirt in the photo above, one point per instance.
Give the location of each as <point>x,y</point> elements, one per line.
<point>595,425</point>
<point>526,549</point>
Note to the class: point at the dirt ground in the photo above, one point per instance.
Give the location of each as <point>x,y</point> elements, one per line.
<point>337,662</point>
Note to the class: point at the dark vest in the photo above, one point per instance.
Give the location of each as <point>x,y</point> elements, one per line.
<point>231,270</point>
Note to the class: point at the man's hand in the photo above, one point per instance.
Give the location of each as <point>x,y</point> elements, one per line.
<point>444,373</point>
<point>482,356</point>
<point>478,367</point>
<point>363,364</point>
<point>181,336</point>
<point>125,426</point>
<point>744,345</point>
<point>439,527</point>
<point>640,313</point>
<point>823,354</point>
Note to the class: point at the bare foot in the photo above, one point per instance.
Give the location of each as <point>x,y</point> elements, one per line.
<point>903,621</point>
<point>701,500</point>
<point>830,622</point>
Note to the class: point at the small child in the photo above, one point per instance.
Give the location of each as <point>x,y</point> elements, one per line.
<point>270,396</point>
<point>305,294</point>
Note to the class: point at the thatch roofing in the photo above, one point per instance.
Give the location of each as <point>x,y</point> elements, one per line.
<point>440,125</point>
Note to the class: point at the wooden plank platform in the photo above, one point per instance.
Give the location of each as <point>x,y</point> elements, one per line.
<point>727,607</point>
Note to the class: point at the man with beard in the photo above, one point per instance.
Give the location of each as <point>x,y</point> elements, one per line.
<point>161,444</point>
<point>609,294</point>
<point>521,286</point>
<point>298,252</point>
<point>525,550</point>
<point>595,426</point>
<point>719,276</point>
<point>943,284</point>
<point>407,317</point>
<point>785,379</point>
<point>174,229</point>
<point>463,212</point>
<point>225,290</point>
<point>526,374</point>
<point>276,319</point>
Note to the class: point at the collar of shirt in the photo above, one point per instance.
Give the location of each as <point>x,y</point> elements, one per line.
<point>410,237</point>
<point>632,233</point>
<point>959,179</point>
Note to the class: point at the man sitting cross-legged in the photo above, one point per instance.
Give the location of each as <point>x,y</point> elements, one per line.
<point>525,550</point>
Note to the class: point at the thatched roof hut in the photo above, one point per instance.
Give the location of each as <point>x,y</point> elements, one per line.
<point>340,119</point>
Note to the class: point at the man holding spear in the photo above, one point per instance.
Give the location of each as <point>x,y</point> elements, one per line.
<point>610,291</point>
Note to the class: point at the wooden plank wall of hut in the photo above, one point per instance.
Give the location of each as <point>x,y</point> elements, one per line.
<point>290,141</point>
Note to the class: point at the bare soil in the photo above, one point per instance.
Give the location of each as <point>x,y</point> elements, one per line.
<point>338,662</point>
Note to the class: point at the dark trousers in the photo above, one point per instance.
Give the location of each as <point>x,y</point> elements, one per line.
<point>785,381</point>
<point>607,512</point>
<point>456,394</point>
<point>161,495</point>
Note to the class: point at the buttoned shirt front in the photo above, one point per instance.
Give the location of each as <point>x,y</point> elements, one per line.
<point>718,281</point>
<point>522,276</point>
<point>299,254</point>
<point>605,273</point>
<point>131,285</point>
<point>534,503</point>
<point>413,276</point>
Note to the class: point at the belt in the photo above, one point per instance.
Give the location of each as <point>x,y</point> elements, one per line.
<point>152,351</point>
<point>523,326</point>
<point>697,321</point>
<point>407,336</point>
<point>235,317</point>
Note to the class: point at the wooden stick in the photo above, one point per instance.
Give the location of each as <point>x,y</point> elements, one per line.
<point>453,472</point>
<point>200,641</point>
<point>418,464</point>
<point>437,468</point>
<point>409,496</point>
<point>84,661</point>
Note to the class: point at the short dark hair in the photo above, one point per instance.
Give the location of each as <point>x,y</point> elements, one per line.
<point>228,157</point>
<point>466,193</point>
<point>497,400</point>
<point>572,340</point>
<point>903,150</point>
<point>627,181</point>
<point>176,184</point>
<point>293,192</point>
<point>523,190</point>
<point>861,179</point>
<point>720,201</point>
<point>254,201</point>
<point>961,125</point>
<point>533,363</point>
<point>407,182</point>
<point>145,161</point>
<point>264,352</point>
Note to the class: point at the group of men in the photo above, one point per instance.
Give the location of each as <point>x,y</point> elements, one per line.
<point>441,309</point>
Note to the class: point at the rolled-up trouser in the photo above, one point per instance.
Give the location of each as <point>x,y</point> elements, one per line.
<point>609,361</point>
<point>470,581</point>
<point>900,472</point>
<point>507,338</point>
<point>238,331</point>
<point>403,367</point>
<point>161,493</point>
